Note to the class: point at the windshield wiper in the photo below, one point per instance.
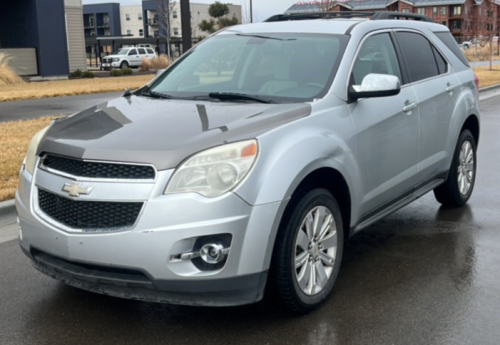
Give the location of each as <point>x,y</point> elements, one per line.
<point>232,96</point>
<point>267,37</point>
<point>148,93</point>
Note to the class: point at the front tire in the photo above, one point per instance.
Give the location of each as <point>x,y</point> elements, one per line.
<point>308,251</point>
<point>457,189</point>
<point>124,65</point>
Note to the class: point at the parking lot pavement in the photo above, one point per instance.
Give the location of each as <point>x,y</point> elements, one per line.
<point>424,275</point>
<point>35,108</point>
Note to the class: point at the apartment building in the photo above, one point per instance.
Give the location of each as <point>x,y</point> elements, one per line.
<point>145,21</point>
<point>464,18</point>
<point>45,37</point>
<point>102,19</point>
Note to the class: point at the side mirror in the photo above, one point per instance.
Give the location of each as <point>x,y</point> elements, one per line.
<point>375,85</point>
<point>160,71</point>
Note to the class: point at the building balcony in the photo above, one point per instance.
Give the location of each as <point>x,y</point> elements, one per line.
<point>152,21</point>
<point>88,25</point>
<point>103,25</point>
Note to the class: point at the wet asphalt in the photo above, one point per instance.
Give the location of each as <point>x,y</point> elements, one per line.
<point>424,275</point>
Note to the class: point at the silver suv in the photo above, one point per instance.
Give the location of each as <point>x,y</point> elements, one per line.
<point>252,160</point>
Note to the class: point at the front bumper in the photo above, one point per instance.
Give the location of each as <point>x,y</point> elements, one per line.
<point>168,225</point>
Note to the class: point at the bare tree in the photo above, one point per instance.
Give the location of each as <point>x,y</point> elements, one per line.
<point>325,5</point>
<point>487,29</point>
<point>164,9</point>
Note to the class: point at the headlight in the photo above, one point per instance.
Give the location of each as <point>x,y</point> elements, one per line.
<point>116,59</point>
<point>215,171</point>
<point>30,159</point>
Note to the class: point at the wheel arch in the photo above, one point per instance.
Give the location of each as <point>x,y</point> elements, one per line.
<point>472,124</point>
<point>333,181</point>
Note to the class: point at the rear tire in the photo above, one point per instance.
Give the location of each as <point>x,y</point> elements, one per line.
<point>457,189</point>
<point>306,260</point>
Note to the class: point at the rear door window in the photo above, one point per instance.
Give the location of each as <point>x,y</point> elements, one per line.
<point>441,62</point>
<point>142,51</point>
<point>418,54</point>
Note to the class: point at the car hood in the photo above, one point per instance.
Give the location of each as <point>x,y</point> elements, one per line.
<point>161,132</point>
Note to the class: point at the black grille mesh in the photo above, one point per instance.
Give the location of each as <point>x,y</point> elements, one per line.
<point>98,170</point>
<point>88,214</point>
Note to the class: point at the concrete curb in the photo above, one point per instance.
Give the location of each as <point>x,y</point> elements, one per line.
<point>489,88</point>
<point>8,212</point>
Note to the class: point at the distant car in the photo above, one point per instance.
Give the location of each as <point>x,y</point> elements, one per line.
<point>127,57</point>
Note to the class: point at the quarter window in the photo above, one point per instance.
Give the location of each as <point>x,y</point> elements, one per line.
<point>418,55</point>
<point>376,55</point>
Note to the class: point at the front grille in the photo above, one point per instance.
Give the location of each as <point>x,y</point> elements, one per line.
<point>88,215</point>
<point>106,60</point>
<point>81,168</point>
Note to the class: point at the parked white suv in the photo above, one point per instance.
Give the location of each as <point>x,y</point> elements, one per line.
<point>127,57</point>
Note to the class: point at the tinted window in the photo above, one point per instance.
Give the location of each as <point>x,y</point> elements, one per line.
<point>441,62</point>
<point>450,42</point>
<point>133,52</point>
<point>418,55</point>
<point>142,51</point>
<point>376,55</point>
<point>150,51</point>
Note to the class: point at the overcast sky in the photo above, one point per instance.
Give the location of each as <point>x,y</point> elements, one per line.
<point>262,9</point>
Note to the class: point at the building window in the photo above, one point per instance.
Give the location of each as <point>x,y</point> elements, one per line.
<point>457,10</point>
<point>127,17</point>
<point>405,10</point>
<point>176,31</point>
<point>434,11</point>
<point>174,14</point>
<point>141,32</point>
<point>421,10</point>
<point>465,8</point>
<point>443,11</point>
<point>129,32</point>
<point>139,16</point>
<point>479,10</point>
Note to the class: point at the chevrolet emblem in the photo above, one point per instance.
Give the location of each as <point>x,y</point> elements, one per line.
<point>75,189</point>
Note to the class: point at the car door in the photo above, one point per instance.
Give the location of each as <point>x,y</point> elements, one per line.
<point>437,90</point>
<point>143,54</point>
<point>134,58</point>
<point>386,129</point>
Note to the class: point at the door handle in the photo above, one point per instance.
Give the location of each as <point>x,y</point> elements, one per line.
<point>409,106</point>
<point>450,87</point>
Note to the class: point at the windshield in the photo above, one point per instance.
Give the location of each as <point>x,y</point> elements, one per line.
<point>283,68</point>
<point>121,52</point>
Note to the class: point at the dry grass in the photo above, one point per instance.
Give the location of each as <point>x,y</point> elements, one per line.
<point>157,63</point>
<point>7,75</point>
<point>15,138</point>
<point>483,53</point>
<point>487,77</point>
<point>70,87</point>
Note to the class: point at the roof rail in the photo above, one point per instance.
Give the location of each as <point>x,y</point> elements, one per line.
<point>380,15</point>
<point>400,15</point>
<point>318,15</point>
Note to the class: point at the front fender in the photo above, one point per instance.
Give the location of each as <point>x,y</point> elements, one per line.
<point>289,154</point>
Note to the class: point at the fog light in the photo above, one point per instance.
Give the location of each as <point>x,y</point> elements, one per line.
<point>213,253</point>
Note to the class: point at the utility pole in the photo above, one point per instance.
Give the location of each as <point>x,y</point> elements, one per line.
<point>186,26</point>
<point>251,12</point>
